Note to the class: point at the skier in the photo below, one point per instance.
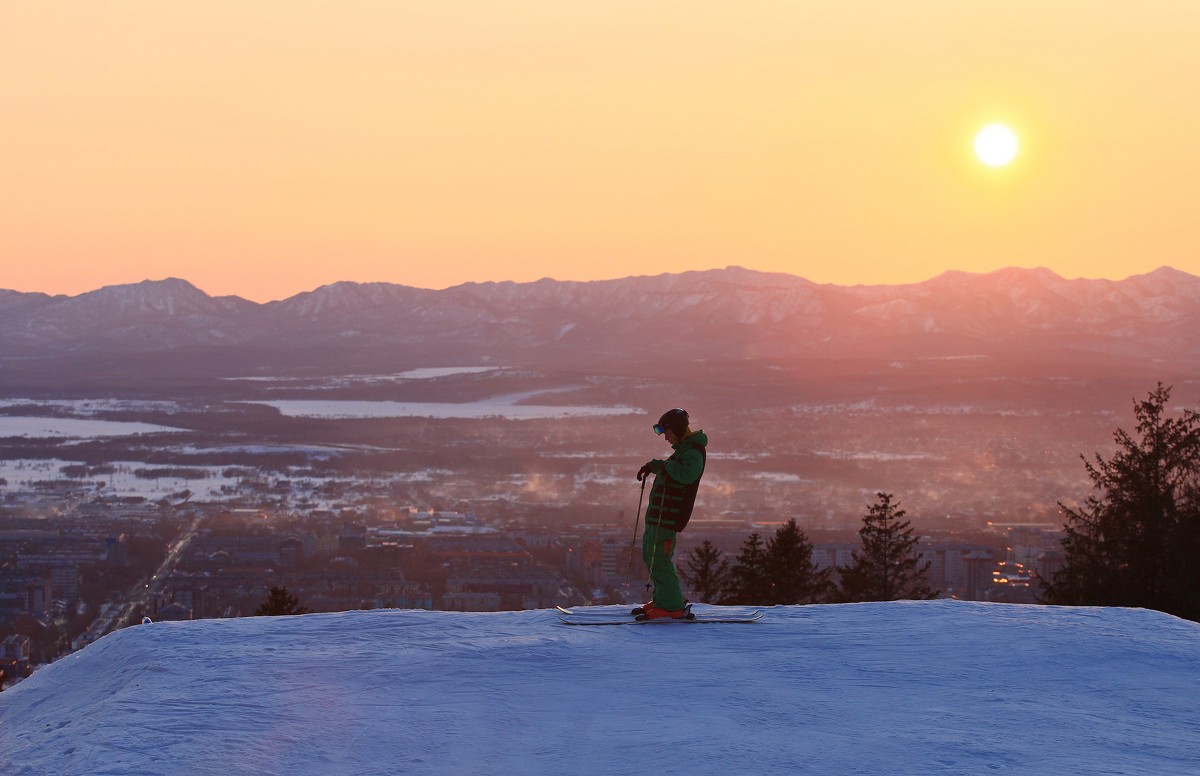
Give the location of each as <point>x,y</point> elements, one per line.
<point>676,481</point>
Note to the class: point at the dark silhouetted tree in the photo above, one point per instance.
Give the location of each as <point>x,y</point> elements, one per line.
<point>887,566</point>
<point>748,581</point>
<point>280,601</point>
<point>1136,541</point>
<point>706,572</point>
<point>790,571</point>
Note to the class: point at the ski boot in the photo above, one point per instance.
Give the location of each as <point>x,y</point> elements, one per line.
<point>653,612</point>
<point>638,611</point>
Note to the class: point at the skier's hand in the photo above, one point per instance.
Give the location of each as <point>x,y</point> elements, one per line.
<point>645,472</point>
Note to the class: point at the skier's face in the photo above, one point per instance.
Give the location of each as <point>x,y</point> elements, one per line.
<point>671,437</point>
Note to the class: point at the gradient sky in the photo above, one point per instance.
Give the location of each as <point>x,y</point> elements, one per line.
<point>263,148</point>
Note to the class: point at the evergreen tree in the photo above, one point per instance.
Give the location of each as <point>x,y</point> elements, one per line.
<point>280,601</point>
<point>887,566</point>
<point>707,572</point>
<point>1135,542</point>
<point>748,581</point>
<point>793,577</point>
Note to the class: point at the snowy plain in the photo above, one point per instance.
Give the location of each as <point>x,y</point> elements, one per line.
<point>501,407</point>
<point>77,428</point>
<point>936,687</point>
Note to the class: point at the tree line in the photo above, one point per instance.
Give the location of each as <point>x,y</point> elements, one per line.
<point>1136,540</point>
<point>886,567</point>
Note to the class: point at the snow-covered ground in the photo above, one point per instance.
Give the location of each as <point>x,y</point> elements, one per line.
<point>501,407</point>
<point>90,407</point>
<point>420,373</point>
<point>938,687</point>
<point>76,428</point>
<point>24,474</point>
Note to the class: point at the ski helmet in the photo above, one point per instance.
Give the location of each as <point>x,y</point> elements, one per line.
<point>676,420</point>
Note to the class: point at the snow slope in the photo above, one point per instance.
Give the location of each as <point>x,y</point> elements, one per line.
<point>897,688</point>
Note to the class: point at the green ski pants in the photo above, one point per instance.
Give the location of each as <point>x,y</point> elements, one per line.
<point>658,552</point>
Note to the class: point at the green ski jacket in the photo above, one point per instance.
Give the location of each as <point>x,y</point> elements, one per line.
<point>676,481</point>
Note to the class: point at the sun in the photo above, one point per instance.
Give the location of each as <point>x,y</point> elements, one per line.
<point>996,145</point>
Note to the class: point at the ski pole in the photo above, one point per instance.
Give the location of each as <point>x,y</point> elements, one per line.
<point>633,541</point>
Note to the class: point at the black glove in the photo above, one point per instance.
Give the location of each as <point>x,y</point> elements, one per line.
<point>645,472</point>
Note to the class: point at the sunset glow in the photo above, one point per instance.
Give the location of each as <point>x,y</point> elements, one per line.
<point>266,149</point>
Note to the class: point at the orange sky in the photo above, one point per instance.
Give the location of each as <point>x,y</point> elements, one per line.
<point>265,148</point>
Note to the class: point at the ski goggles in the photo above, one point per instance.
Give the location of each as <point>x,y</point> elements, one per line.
<point>659,429</point>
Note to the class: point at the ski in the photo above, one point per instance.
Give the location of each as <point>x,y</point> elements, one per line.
<point>634,613</point>
<point>696,620</point>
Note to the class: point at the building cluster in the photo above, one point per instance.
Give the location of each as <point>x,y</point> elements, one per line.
<point>227,568</point>
<point>337,562</point>
<point>46,551</point>
<point>977,571</point>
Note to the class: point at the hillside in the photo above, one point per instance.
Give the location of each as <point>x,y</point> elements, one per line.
<point>901,688</point>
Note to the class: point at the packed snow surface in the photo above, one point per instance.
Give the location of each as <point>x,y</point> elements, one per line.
<point>938,687</point>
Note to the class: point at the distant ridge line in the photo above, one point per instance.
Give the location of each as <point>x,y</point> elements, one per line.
<point>176,282</point>
<point>720,316</point>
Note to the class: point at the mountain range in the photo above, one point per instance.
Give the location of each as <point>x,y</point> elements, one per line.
<point>724,315</point>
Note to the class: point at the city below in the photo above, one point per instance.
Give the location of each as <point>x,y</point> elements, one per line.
<point>76,563</point>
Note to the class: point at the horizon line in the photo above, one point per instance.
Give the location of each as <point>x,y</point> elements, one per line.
<point>1040,269</point>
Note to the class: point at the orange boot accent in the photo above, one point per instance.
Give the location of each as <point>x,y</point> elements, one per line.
<point>658,613</point>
